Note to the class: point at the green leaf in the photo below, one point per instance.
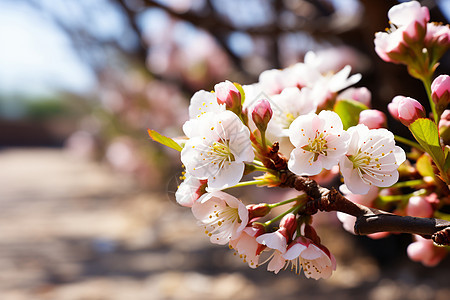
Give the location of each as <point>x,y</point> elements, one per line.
<point>157,137</point>
<point>447,160</point>
<point>426,133</point>
<point>241,90</point>
<point>348,111</point>
<point>424,166</point>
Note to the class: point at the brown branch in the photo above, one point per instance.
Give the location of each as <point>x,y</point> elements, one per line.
<point>368,220</point>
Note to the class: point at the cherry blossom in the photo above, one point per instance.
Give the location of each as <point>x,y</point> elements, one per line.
<point>316,260</point>
<point>287,106</point>
<point>190,190</point>
<point>277,242</point>
<point>247,247</point>
<point>372,159</point>
<point>372,118</point>
<point>223,216</point>
<point>361,94</point>
<point>319,141</point>
<point>407,20</point>
<point>218,147</point>
<point>424,251</point>
<point>419,206</point>
<point>203,102</point>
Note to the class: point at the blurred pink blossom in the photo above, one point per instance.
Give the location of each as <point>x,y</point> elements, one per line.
<point>426,252</point>
<point>372,118</point>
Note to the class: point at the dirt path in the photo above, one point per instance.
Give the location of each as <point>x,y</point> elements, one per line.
<point>70,229</point>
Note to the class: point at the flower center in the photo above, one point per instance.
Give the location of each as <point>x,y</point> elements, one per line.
<point>222,220</point>
<point>221,151</point>
<point>318,145</point>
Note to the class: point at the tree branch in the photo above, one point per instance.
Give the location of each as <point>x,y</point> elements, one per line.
<point>368,220</point>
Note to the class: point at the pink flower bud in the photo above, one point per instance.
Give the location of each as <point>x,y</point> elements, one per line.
<point>228,94</point>
<point>256,211</point>
<point>419,207</point>
<point>393,106</point>
<point>406,109</point>
<point>440,92</point>
<point>410,110</point>
<point>372,118</point>
<point>424,251</point>
<point>261,114</point>
<point>288,226</point>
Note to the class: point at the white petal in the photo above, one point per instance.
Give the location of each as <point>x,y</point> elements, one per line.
<point>301,129</point>
<point>301,163</point>
<point>203,102</point>
<point>351,177</point>
<point>276,263</point>
<point>294,251</point>
<point>229,175</point>
<point>274,240</point>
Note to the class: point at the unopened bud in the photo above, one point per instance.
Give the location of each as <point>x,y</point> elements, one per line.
<point>261,114</point>
<point>372,118</point>
<point>440,92</point>
<point>288,225</point>
<point>418,206</point>
<point>257,211</point>
<point>228,94</point>
<point>406,109</point>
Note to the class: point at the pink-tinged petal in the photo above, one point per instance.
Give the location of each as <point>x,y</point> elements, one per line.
<point>418,206</point>
<point>424,251</point>
<point>190,190</point>
<point>312,252</point>
<point>408,12</point>
<point>294,251</point>
<point>247,246</point>
<point>277,263</point>
<point>302,162</point>
<point>274,240</point>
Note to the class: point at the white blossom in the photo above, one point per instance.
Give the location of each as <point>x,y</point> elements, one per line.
<point>317,262</point>
<point>223,216</point>
<point>189,190</point>
<point>219,145</point>
<point>319,141</point>
<point>287,106</point>
<point>372,159</point>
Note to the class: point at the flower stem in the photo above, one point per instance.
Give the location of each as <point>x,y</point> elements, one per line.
<point>408,142</point>
<point>301,197</point>
<point>262,169</point>
<point>426,80</point>
<point>409,183</point>
<point>247,183</point>
<point>293,209</point>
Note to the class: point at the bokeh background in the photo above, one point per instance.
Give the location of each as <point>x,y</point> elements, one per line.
<point>86,199</point>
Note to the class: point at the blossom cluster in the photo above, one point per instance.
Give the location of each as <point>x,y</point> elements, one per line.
<point>311,113</point>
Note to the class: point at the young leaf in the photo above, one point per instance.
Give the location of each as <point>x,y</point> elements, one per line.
<point>426,133</point>
<point>241,90</point>
<point>424,166</point>
<point>348,111</point>
<point>157,137</point>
